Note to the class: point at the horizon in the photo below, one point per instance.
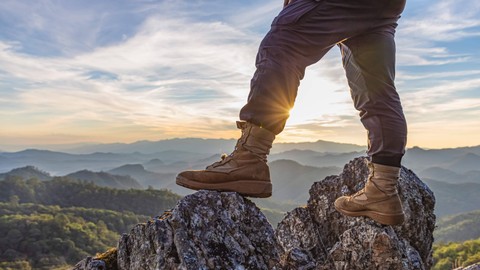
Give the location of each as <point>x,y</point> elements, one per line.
<point>71,147</point>
<point>76,72</point>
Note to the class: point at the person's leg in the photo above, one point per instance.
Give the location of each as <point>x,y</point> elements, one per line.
<point>369,62</point>
<point>300,36</point>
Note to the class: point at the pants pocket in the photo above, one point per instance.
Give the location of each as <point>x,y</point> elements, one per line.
<point>294,11</point>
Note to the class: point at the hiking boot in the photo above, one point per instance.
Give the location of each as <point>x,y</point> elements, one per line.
<point>244,171</point>
<point>378,200</point>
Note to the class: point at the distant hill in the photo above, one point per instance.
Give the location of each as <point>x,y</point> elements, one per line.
<point>458,160</point>
<point>464,163</point>
<point>210,146</point>
<point>62,163</point>
<point>458,228</point>
<point>151,179</point>
<point>292,181</point>
<point>27,172</point>
<point>196,145</point>
<point>65,192</point>
<point>104,179</point>
<point>316,159</point>
<point>449,176</point>
<point>454,198</point>
<point>162,157</point>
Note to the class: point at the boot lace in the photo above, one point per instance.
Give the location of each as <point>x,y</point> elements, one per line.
<point>224,158</point>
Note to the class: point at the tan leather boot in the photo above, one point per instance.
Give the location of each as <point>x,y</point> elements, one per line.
<point>378,200</point>
<point>244,171</point>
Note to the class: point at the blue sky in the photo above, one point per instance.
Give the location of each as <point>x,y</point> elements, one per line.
<point>121,71</point>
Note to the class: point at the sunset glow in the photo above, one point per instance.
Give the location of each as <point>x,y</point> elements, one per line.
<point>122,71</point>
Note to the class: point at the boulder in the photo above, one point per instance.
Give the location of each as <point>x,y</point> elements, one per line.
<point>471,267</point>
<point>206,230</point>
<point>223,230</point>
<point>318,233</point>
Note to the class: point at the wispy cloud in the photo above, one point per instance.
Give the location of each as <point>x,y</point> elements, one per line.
<point>128,70</point>
<point>166,73</point>
<point>424,35</point>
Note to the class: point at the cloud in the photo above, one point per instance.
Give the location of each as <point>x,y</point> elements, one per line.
<point>128,70</point>
<point>166,75</point>
<point>446,20</point>
<point>423,35</point>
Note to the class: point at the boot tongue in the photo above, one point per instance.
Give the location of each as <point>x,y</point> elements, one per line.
<point>241,124</point>
<point>385,178</point>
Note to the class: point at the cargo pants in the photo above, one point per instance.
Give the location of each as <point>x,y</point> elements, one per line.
<point>303,32</point>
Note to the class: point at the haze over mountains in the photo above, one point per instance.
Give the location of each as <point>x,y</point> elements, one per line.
<point>294,166</point>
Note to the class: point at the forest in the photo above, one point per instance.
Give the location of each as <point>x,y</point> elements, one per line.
<point>54,224</point>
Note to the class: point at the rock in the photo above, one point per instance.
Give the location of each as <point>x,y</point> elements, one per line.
<point>206,230</point>
<point>90,263</point>
<point>333,241</point>
<point>471,267</point>
<point>104,261</point>
<point>223,230</point>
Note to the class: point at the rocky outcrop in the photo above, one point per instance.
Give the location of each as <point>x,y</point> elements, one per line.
<point>318,237</point>
<point>206,230</point>
<point>223,230</point>
<point>471,267</point>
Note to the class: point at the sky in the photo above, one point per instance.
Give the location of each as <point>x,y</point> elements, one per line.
<point>89,71</point>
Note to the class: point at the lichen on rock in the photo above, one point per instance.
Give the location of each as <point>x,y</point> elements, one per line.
<point>206,230</point>
<point>223,230</point>
<point>335,241</point>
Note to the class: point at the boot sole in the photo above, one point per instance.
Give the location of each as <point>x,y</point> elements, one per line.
<point>250,188</point>
<point>382,218</point>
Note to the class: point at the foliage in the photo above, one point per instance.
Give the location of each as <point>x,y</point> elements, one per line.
<point>64,192</point>
<point>54,224</point>
<point>109,257</point>
<point>458,228</point>
<point>452,255</point>
<point>44,237</point>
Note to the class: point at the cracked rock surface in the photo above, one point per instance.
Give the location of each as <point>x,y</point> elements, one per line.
<point>206,230</point>
<point>223,230</point>
<point>318,233</point>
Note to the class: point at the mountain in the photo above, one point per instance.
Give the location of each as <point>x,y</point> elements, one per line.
<point>63,163</point>
<point>223,230</point>
<point>151,179</point>
<point>104,179</point>
<point>454,198</point>
<point>317,159</point>
<point>458,160</point>
<point>464,163</point>
<point>65,192</point>
<point>162,157</point>
<point>458,228</point>
<point>318,146</point>
<point>291,180</point>
<point>27,172</point>
<point>449,176</point>
<point>35,236</point>
<point>196,145</point>
<point>209,146</point>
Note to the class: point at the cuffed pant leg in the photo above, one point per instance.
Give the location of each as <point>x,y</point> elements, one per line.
<point>369,61</point>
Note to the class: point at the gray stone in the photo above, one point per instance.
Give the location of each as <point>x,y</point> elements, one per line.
<point>90,263</point>
<point>206,230</point>
<point>471,267</point>
<point>335,241</point>
<point>223,230</point>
